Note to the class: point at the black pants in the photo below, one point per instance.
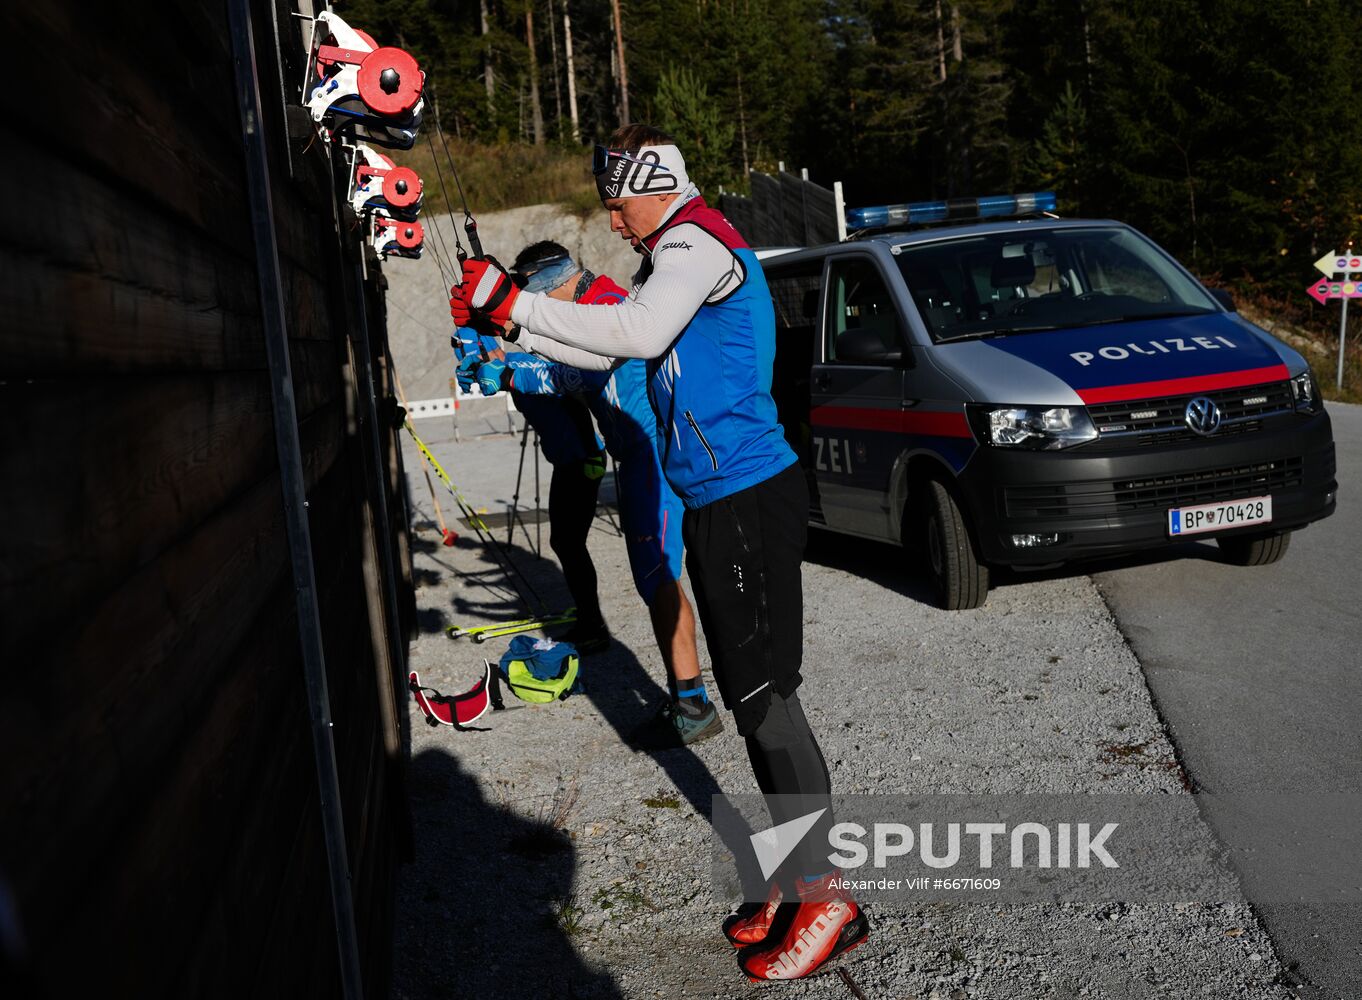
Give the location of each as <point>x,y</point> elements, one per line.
<point>743,554</point>
<point>572,508</point>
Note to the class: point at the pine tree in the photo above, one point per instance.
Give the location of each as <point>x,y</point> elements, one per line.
<point>684,108</point>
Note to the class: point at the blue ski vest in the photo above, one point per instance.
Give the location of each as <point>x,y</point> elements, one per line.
<point>711,391</point>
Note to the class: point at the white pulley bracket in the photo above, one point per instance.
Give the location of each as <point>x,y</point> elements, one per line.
<point>355,86</point>
<point>394,237</point>
<point>377,182</point>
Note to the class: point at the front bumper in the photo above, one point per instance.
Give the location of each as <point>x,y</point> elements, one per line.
<point>1105,504</point>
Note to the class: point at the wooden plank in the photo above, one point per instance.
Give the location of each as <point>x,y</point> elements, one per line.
<point>260,874</point>
<point>168,129</point>
<point>230,785</point>
<point>150,99</point>
<point>112,471</point>
<point>140,663</point>
<point>115,286</point>
<point>118,288</point>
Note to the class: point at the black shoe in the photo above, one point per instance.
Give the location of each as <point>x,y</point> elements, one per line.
<point>587,637</point>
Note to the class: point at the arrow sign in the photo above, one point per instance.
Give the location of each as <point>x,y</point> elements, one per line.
<point>1337,263</point>
<point>774,845</point>
<point>1323,291</point>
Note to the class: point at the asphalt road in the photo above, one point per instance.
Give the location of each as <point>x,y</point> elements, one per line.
<point>1255,672</point>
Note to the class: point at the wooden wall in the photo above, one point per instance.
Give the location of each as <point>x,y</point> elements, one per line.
<point>159,823</point>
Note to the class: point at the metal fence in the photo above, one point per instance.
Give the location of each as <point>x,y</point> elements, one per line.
<point>786,210</point>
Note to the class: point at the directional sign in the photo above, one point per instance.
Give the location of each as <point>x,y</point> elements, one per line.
<point>1337,263</point>
<point>1323,291</point>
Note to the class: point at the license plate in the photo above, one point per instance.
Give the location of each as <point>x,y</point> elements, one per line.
<point>1215,516</point>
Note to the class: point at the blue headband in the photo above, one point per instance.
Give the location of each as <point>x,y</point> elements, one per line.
<point>551,274</point>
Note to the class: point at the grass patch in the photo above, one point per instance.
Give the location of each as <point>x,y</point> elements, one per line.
<point>498,177</point>
<point>663,802</point>
<point>566,915</point>
<point>623,896</point>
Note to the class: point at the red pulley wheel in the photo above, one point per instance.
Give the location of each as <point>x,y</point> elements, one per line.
<point>401,187</point>
<point>409,234</point>
<point>390,81</point>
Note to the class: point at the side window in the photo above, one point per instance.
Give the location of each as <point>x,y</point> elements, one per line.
<point>863,324</point>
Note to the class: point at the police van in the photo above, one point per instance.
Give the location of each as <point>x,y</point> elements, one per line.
<point>1022,390</point>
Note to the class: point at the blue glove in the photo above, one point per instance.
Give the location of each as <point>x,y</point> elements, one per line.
<point>467,372</point>
<point>493,376</point>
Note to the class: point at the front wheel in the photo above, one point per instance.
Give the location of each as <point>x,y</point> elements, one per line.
<point>1255,550</point>
<point>958,576</point>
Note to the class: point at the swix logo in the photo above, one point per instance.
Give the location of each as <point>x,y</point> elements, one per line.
<point>1168,345</point>
<point>678,245</point>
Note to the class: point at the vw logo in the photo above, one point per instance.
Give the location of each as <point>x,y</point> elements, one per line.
<point>1202,415</point>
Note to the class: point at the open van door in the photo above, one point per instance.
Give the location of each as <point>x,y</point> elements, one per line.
<point>856,394</point>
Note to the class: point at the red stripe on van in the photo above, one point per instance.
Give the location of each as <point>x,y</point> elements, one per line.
<point>936,422</point>
<point>1178,386</point>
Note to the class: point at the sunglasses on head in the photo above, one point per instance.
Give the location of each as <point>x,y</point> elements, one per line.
<point>600,159</point>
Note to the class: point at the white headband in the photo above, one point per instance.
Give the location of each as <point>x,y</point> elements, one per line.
<point>634,173</point>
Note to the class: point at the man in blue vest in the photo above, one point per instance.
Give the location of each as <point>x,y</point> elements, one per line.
<point>701,314</point>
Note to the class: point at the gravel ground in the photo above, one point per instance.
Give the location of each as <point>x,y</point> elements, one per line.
<point>554,861</point>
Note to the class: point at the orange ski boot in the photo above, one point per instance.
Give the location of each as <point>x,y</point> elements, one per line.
<point>825,925</point>
<point>753,921</point>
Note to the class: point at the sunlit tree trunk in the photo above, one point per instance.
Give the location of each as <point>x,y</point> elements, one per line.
<point>621,65</point>
<point>536,108</point>
<point>557,74</point>
<point>487,79</point>
<point>940,45</point>
<point>571,74</point>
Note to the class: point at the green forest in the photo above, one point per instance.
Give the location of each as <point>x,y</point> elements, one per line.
<point>1228,130</point>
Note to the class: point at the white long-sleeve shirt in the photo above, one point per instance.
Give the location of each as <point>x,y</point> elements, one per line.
<point>689,268</point>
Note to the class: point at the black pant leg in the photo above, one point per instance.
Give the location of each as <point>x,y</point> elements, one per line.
<point>572,508</point>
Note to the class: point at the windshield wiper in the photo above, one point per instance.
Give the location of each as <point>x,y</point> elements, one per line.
<point>998,331</point>
<point>1170,314</point>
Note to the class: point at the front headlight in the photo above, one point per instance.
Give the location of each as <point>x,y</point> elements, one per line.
<point>1305,392</point>
<point>1037,428</point>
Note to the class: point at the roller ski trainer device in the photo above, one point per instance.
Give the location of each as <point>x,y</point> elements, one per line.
<point>360,90</point>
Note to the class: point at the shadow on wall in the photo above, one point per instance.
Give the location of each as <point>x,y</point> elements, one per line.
<point>489,912</point>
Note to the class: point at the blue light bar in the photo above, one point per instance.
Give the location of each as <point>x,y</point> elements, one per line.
<point>917,212</point>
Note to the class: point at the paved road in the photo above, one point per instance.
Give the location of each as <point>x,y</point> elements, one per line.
<point>1255,671</point>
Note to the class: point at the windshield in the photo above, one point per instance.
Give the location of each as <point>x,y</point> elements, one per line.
<point>1011,283</point>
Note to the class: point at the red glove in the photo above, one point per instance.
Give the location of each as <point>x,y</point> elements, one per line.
<point>458,307</point>
<point>488,289</point>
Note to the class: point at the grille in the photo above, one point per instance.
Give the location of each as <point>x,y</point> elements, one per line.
<point>1145,422</point>
<point>1125,496</point>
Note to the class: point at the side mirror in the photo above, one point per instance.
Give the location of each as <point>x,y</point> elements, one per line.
<point>864,345</point>
<point>1223,296</point>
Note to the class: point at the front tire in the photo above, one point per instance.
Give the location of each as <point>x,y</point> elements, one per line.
<point>958,576</point>
<point>1255,550</point>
